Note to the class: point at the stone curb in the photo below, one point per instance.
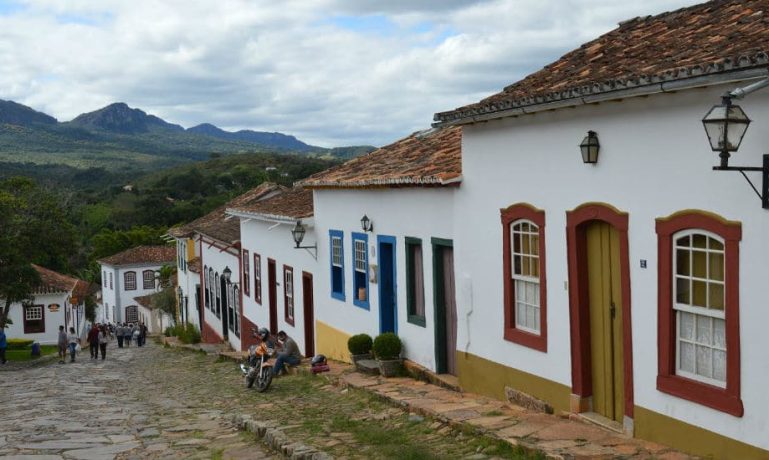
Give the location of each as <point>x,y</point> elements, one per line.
<point>268,433</point>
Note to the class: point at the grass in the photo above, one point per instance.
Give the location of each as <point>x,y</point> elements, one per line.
<point>26,354</point>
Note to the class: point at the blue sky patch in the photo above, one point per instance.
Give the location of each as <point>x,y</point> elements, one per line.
<point>9,7</point>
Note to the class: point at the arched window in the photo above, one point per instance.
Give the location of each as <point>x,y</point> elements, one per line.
<point>218,286</point>
<point>148,277</point>
<point>206,294</point>
<point>129,281</point>
<point>236,307</point>
<point>132,314</point>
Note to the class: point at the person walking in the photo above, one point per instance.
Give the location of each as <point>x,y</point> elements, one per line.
<point>73,342</point>
<point>3,346</point>
<point>103,340</point>
<point>127,331</point>
<point>93,341</point>
<point>290,353</point>
<point>62,344</point>
<point>143,333</point>
<point>135,334</point>
<point>119,335</point>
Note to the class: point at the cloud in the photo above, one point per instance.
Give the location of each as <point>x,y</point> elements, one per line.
<point>331,72</point>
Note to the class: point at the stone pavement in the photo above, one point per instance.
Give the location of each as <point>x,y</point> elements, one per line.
<point>556,437</point>
<point>95,409</point>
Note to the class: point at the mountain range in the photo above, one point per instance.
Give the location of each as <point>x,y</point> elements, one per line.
<point>118,136</point>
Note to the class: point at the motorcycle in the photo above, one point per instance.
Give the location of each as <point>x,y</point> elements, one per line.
<point>258,369</point>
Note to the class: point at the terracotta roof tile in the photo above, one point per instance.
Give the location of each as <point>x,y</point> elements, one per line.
<point>51,281</point>
<point>719,36</point>
<point>426,158</point>
<point>295,203</point>
<point>142,255</point>
<point>214,224</point>
<point>145,301</point>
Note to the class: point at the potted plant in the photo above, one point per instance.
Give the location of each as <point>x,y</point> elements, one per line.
<point>360,347</point>
<point>387,349</point>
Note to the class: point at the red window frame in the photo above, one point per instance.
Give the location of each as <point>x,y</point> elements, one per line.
<point>289,318</point>
<point>258,278</point>
<point>28,329</point>
<point>726,399</point>
<point>246,274</point>
<point>509,215</point>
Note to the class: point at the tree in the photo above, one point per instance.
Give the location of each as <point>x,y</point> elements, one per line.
<point>33,229</point>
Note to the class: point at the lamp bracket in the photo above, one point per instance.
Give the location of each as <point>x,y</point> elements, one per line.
<point>310,249</point>
<point>763,195</point>
<point>740,93</point>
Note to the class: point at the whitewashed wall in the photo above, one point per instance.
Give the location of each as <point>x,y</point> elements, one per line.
<point>275,242</point>
<point>408,212</point>
<point>52,319</point>
<point>218,259</point>
<point>655,160</point>
<point>118,298</point>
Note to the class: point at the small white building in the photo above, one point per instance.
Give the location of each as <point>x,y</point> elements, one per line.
<point>277,278</point>
<point>57,301</point>
<point>395,272</point>
<point>630,288</point>
<point>129,274</point>
<point>154,318</point>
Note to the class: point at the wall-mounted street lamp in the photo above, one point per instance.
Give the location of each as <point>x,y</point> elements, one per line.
<point>589,148</point>
<point>227,273</point>
<point>726,124</point>
<point>298,234</point>
<point>366,224</point>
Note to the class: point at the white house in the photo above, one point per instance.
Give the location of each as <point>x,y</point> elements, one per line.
<point>154,318</point>
<point>57,301</point>
<point>217,238</point>
<point>396,274</point>
<point>277,277</point>
<point>632,289</point>
<point>188,277</point>
<point>129,274</point>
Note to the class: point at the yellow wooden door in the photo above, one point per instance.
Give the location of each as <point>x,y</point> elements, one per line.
<point>605,320</point>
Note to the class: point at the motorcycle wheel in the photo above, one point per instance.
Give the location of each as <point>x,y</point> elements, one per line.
<point>264,379</point>
<point>250,381</point>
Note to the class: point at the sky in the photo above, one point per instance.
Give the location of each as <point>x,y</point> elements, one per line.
<point>330,72</point>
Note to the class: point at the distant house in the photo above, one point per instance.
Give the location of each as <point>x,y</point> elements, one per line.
<point>215,240</point>
<point>57,301</point>
<point>129,274</point>
<point>629,289</point>
<point>128,188</point>
<point>397,274</point>
<point>277,278</point>
<point>155,319</point>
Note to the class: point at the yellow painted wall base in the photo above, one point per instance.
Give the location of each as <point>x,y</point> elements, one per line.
<point>692,439</point>
<point>331,342</point>
<point>479,375</point>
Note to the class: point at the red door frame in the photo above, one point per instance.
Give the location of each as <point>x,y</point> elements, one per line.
<point>273,293</point>
<point>579,305</point>
<point>309,314</point>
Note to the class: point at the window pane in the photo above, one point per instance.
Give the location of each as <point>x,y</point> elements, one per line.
<point>719,365</point>
<point>699,264</point>
<point>699,241</point>
<point>517,265</point>
<point>715,244</point>
<point>520,290</point>
<point>535,267</point>
<point>525,244</point>
<point>687,325</point>
<point>684,241</point>
<point>716,266</point>
<point>531,321</point>
<point>682,291</point>
<point>682,262</point>
<point>531,293</point>
<point>719,334</point>
<point>716,296</point>
<point>699,293</point>
<point>704,361</point>
<point>686,360</point>
<point>516,242</point>
<point>520,314</point>
<point>535,244</point>
<point>703,330</point>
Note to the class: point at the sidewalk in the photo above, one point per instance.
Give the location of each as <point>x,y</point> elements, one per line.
<point>556,437</point>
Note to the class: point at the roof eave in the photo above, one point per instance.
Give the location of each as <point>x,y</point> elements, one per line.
<point>275,218</point>
<point>387,183</point>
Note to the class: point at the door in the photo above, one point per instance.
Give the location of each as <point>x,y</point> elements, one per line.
<point>272,292</point>
<point>388,310</point>
<point>226,315</point>
<point>309,315</point>
<point>605,306</point>
<point>445,307</point>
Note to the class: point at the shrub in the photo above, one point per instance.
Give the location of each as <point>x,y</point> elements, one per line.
<point>19,344</point>
<point>188,333</point>
<point>360,344</point>
<point>387,346</point>
<point>169,331</point>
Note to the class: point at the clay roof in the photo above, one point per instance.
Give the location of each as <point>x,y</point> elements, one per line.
<point>214,224</point>
<point>425,158</point>
<point>142,255</point>
<point>145,301</point>
<point>195,265</point>
<point>715,37</point>
<point>294,203</point>
<point>51,282</point>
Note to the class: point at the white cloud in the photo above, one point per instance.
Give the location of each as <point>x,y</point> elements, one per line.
<point>331,72</point>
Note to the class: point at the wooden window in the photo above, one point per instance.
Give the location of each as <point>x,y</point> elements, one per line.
<point>246,273</point>
<point>206,293</point>
<point>148,277</point>
<point>218,287</point>
<point>129,281</point>
<point>523,248</point>
<point>415,282</point>
<point>337,264</point>
<point>698,309</point>
<point>34,319</point>
<point>258,278</point>
<point>110,280</point>
<point>360,270</point>
<point>236,307</point>
<point>288,293</point>
<point>132,314</point>
<point>104,278</point>
<point>230,299</point>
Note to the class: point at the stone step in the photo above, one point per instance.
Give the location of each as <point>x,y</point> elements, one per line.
<point>368,366</point>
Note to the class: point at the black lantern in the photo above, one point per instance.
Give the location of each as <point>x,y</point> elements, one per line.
<point>227,274</point>
<point>590,148</point>
<point>366,224</point>
<point>725,125</point>
<point>298,233</point>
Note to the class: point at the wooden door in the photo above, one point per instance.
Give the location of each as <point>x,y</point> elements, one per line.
<point>445,307</point>
<point>309,315</point>
<point>272,291</point>
<point>605,297</point>
<point>388,314</point>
